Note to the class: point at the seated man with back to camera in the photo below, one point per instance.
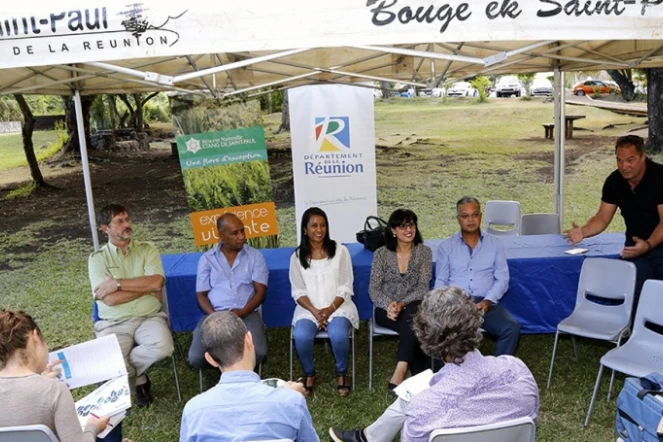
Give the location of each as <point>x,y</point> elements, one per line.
<point>240,407</point>
<point>231,276</point>
<point>469,390</point>
<point>475,261</point>
<point>127,277</point>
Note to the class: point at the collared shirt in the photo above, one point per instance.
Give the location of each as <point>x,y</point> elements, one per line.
<point>482,272</point>
<point>241,408</point>
<point>638,206</point>
<point>230,287</point>
<point>142,259</point>
<point>480,390</point>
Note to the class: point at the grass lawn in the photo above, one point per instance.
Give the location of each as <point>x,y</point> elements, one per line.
<point>430,153</point>
<point>11,148</point>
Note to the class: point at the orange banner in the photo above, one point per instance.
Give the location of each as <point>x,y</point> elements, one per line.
<point>258,219</point>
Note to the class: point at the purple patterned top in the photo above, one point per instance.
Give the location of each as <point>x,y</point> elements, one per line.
<point>480,391</point>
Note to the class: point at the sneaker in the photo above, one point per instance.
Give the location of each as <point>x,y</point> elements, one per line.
<point>338,435</point>
<point>144,394</point>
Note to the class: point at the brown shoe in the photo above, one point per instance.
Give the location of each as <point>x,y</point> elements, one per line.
<point>309,384</point>
<point>344,385</point>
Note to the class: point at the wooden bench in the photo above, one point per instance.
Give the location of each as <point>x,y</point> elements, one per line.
<point>549,128</point>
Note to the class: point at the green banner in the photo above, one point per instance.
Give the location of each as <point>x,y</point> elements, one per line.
<point>219,148</point>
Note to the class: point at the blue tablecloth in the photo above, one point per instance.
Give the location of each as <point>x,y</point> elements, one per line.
<point>542,286</point>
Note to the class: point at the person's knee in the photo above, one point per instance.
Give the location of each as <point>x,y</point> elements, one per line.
<point>302,333</point>
<point>511,328</point>
<point>197,359</point>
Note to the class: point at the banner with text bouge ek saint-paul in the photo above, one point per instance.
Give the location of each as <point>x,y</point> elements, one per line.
<point>224,172</point>
<point>333,155</point>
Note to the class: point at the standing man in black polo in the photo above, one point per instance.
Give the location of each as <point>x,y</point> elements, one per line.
<point>636,187</point>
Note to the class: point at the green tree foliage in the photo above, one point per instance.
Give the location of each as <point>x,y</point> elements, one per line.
<point>526,80</point>
<point>276,98</point>
<point>481,84</point>
<point>39,104</point>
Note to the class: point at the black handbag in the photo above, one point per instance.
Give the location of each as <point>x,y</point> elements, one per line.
<point>372,237</point>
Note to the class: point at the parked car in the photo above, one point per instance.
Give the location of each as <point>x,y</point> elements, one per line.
<point>462,89</point>
<point>425,93</point>
<point>508,86</point>
<point>438,92</point>
<point>595,86</point>
<point>541,87</point>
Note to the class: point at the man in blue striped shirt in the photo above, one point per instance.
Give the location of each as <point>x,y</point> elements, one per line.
<point>475,261</point>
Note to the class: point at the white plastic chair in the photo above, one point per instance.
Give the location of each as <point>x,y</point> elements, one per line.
<point>612,279</point>
<point>517,430</point>
<point>322,334</point>
<point>540,224</point>
<point>502,213</point>
<point>375,330</point>
<point>27,433</point>
<point>641,355</point>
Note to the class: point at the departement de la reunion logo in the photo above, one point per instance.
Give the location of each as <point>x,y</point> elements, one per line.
<point>105,29</point>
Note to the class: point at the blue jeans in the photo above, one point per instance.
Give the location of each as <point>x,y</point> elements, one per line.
<point>339,334</point>
<point>498,322</point>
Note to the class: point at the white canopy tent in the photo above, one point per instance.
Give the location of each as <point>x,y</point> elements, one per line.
<point>224,49</point>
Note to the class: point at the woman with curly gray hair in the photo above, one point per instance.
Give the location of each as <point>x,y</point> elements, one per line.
<point>470,389</point>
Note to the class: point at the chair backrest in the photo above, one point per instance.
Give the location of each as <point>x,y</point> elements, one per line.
<point>27,433</point>
<point>650,310</point>
<point>612,279</point>
<point>517,430</point>
<point>502,213</point>
<point>540,224</point>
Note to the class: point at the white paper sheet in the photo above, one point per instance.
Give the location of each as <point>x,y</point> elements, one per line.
<point>576,251</point>
<point>413,385</point>
<point>111,399</point>
<point>90,362</point>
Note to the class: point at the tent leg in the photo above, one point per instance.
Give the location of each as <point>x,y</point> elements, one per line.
<point>86,168</point>
<point>559,134</point>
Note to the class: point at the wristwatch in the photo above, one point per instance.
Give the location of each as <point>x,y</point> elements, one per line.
<point>118,286</point>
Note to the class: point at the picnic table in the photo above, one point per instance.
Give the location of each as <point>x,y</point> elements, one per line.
<point>569,119</point>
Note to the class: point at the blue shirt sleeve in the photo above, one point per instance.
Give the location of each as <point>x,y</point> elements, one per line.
<point>442,265</point>
<point>203,283</point>
<point>184,429</point>
<point>501,283</point>
<point>259,273</point>
<point>306,431</point>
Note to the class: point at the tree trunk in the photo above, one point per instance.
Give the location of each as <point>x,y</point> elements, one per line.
<point>72,146</point>
<point>285,115</point>
<point>624,78</point>
<point>138,114</point>
<point>386,89</point>
<point>655,109</point>
<point>130,109</point>
<point>28,146</point>
<point>114,114</point>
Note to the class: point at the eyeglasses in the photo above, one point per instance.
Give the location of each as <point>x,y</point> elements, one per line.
<point>466,216</point>
<point>406,226</point>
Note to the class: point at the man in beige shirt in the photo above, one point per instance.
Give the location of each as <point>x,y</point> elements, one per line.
<point>126,278</point>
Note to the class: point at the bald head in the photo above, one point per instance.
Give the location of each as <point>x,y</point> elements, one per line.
<point>231,232</point>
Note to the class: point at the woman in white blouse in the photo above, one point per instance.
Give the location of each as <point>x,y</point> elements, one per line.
<point>321,279</point>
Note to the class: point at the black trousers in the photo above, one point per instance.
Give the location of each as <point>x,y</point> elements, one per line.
<point>409,349</point>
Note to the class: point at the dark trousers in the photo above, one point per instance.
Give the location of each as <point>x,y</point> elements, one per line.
<point>409,349</point>
<point>498,322</point>
<point>648,266</point>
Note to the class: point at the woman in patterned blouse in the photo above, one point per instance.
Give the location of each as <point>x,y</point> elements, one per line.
<point>400,278</point>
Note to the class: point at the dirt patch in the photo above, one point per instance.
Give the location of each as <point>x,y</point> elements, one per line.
<point>575,149</point>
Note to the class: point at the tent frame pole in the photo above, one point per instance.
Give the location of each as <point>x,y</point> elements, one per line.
<point>560,138</point>
<point>86,168</point>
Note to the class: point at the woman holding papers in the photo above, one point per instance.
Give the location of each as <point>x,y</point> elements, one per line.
<point>321,279</point>
<point>28,398</point>
<point>400,278</point>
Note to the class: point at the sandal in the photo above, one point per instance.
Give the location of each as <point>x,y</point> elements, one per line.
<point>309,384</point>
<point>344,385</point>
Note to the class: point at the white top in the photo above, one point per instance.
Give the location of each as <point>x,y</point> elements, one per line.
<point>324,280</point>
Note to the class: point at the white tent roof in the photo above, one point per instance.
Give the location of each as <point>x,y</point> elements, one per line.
<point>233,47</point>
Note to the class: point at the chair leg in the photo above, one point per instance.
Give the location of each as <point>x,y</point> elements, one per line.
<point>179,348</point>
<point>353,358</point>
<point>612,380</point>
<point>596,390</point>
<point>200,376</point>
<point>370,356</point>
<point>291,353</point>
<point>575,349</point>
<point>177,379</point>
<point>260,370</point>
<point>552,360</point>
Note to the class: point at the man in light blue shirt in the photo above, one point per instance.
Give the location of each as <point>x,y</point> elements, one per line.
<point>232,276</point>
<point>240,407</point>
<point>475,261</point>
